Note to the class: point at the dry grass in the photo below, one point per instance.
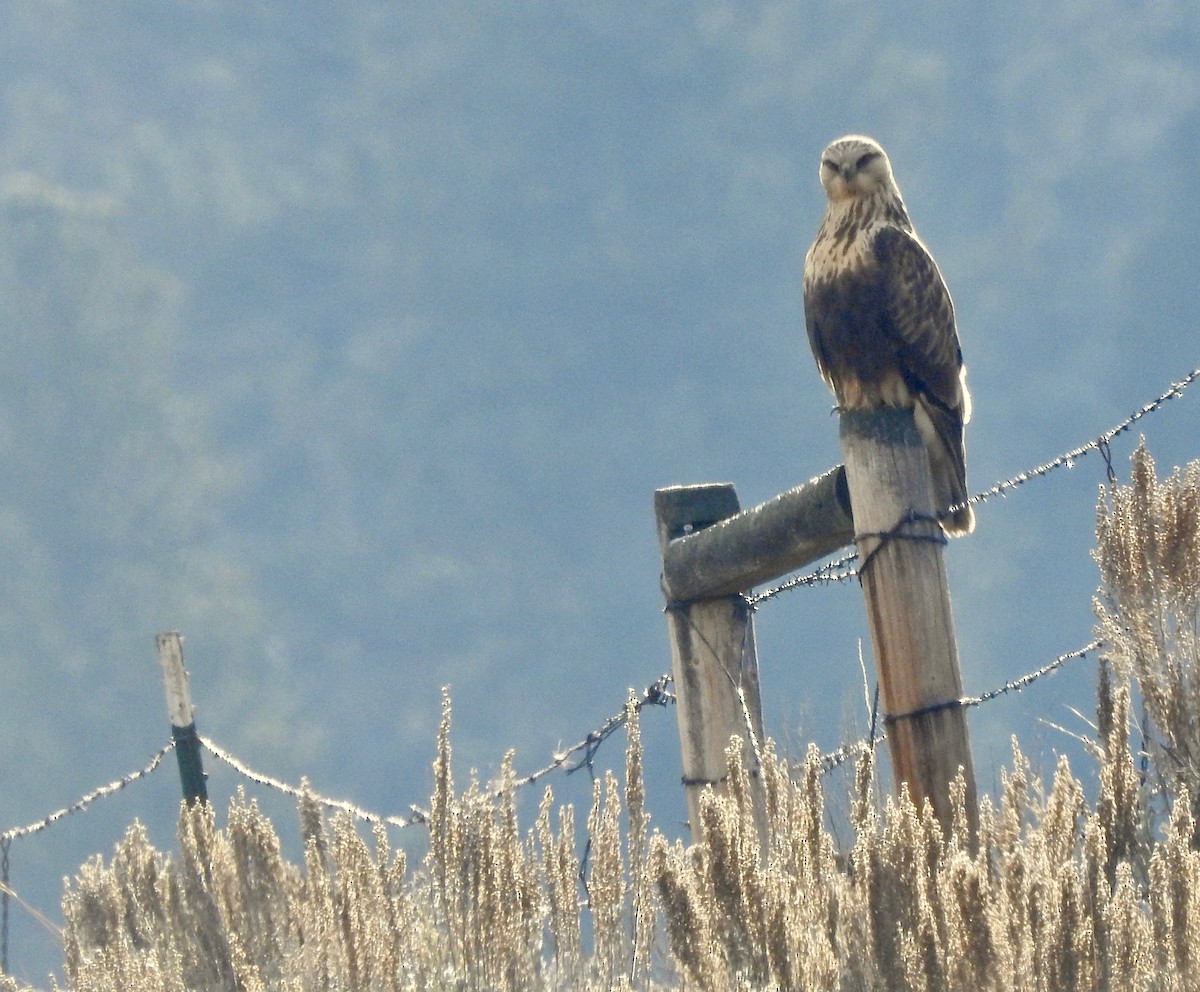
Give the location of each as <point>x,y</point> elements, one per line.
<point>1148,550</point>
<point>1058,894</point>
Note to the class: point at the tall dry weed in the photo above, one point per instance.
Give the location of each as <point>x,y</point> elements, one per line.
<point>1043,901</point>
<point>1148,550</point>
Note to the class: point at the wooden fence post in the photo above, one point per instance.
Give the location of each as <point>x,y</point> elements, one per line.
<point>183,724</point>
<point>908,605</point>
<point>758,545</point>
<point>713,658</point>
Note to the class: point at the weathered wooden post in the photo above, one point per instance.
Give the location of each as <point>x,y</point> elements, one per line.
<point>183,724</point>
<point>758,545</point>
<point>713,657</point>
<point>908,604</point>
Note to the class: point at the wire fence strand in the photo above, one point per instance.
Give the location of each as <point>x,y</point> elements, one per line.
<point>657,693</point>
<point>841,755</point>
<point>85,801</point>
<point>1068,458</point>
<point>832,572</point>
<point>416,814</point>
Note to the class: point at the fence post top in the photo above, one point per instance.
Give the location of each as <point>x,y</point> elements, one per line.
<point>683,509</point>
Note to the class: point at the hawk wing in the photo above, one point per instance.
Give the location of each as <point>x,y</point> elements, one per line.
<point>919,317</point>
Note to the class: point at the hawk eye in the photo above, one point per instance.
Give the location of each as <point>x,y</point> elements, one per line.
<point>828,163</point>
<point>864,159</point>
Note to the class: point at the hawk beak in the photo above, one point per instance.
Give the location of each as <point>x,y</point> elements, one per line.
<point>840,187</point>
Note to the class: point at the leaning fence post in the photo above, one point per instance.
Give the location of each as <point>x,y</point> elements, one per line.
<point>713,658</point>
<point>903,577</point>
<point>183,723</point>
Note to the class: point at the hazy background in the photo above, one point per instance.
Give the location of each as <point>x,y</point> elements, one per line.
<point>353,339</point>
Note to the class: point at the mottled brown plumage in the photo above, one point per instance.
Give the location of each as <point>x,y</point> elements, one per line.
<point>880,319</point>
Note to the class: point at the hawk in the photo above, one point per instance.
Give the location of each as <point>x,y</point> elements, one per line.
<point>880,319</point>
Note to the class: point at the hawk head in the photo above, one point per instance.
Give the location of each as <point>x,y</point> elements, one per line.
<point>856,167</point>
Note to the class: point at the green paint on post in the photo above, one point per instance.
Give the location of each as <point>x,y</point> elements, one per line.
<point>191,768</point>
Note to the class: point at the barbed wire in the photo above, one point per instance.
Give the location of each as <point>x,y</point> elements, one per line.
<point>833,759</point>
<point>839,571</point>
<point>658,692</point>
<point>79,806</point>
<point>831,571</point>
<point>655,694</point>
<point>416,814</point>
<point>85,801</point>
<point>1017,685</point>
<point>1067,459</point>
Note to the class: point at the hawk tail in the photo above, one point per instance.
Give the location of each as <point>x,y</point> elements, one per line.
<point>942,430</point>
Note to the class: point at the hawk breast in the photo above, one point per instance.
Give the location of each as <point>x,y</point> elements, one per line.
<point>881,325</point>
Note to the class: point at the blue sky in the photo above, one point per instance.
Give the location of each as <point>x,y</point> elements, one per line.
<point>353,344</point>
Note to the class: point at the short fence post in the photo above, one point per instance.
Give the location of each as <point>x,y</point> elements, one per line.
<point>183,724</point>
<point>903,576</point>
<point>713,658</point>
